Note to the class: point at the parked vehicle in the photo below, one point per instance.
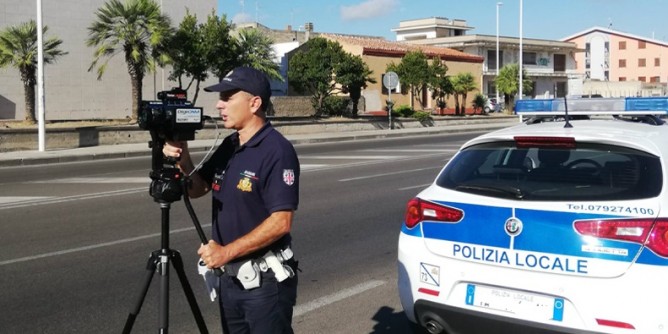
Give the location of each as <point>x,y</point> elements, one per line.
<point>556,225</point>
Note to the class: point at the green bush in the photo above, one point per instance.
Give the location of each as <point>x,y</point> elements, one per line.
<point>335,105</point>
<point>404,110</point>
<point>422,116</point>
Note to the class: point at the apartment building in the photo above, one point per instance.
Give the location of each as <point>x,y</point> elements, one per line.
<point>71,91</point>
<point>619,64</point>
<point>549,64</point>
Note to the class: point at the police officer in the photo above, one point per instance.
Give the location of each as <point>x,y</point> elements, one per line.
<point>254,178</point>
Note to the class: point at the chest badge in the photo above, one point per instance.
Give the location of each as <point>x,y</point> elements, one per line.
<point>245,184</point>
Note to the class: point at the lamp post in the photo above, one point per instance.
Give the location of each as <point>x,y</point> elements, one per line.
<point>498,5</point>
<point>41,140</point>
<point>521,51</point>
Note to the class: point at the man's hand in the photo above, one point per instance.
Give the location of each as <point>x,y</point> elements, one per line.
<point>214,254</point>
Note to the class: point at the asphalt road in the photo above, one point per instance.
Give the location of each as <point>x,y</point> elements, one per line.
<point>75,240</point>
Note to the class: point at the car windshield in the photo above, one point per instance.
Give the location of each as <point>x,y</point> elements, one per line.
<point>584,172</point>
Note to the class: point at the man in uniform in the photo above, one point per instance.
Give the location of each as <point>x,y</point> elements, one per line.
<point>254,178</point>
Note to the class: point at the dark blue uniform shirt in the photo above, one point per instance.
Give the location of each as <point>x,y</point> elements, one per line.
<point>251,181</point>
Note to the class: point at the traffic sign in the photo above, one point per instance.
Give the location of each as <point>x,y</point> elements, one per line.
<point>390,80</point>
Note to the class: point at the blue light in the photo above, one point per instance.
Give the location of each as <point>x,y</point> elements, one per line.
<point>595,106</point>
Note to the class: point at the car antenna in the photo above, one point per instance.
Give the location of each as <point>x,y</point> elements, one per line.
<point>568,124</point>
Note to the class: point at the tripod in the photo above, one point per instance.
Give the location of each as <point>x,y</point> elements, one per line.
<point>167,186</point>
<point>159,260</point>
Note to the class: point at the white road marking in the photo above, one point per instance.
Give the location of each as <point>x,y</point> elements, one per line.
<point>415,150</point>
<point>387,174</point>
<point>414,187</point>
<point>15,199</point>
<point>368,157</point>
<point>100,245</point>
<point>335,297</point>
<point>311,166</point>
<point>95,180</point>
<point>55,200</point>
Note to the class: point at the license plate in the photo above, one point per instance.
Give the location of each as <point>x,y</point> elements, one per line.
<point>525,305</point>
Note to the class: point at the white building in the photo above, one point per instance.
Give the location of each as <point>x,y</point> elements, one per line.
<point>550,64</point>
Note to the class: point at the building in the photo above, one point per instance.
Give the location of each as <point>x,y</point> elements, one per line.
<point>620,64</point>
<point>377,53</point>
<point>71,91</point>
<point>549,64</point>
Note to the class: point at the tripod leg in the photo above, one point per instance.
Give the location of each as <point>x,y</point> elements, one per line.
<point>150,270</point>
<point>163,269</point>
<point>187,289</point>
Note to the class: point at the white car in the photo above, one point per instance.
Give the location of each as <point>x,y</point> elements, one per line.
<point>550,226</point>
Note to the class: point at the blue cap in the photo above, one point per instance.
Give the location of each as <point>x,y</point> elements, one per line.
<point>247,79</point>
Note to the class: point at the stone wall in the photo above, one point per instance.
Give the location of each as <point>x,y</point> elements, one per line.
<point>300,106</point>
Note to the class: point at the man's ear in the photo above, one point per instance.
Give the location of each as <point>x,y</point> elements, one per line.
<point>256,104</point>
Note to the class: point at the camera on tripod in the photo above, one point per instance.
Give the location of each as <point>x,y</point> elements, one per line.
<point>171,118</point>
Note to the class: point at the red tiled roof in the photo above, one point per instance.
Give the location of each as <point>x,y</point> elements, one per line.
<point>382,47</point>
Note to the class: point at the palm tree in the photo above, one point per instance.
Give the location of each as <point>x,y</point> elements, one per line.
<point>137,29</point>
<point>465,83</point>
<point>255,51</point>
<point>508,83</point>
<point>18,48</point>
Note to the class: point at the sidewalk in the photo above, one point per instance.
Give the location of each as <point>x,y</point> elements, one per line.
<point>24,158</point>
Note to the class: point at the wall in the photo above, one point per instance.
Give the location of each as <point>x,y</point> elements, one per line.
<point>71,92</point>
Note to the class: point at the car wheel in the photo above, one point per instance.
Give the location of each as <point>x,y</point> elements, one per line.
<point>487,109</point>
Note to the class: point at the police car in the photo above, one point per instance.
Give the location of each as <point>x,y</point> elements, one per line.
<point>556,225</point>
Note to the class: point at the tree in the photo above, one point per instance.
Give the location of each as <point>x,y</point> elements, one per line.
<point>137,29</point>
<point>254,50</point>
<point>507,83</point>
<point>220,48</point>
<point>440,84</point>
<point>18,48</point>
<point>353,75</point>
<point>463,84</point>
<point>479,103</point>
<point>414,72</point>
<point>311,70</point>
<point>187,55</point>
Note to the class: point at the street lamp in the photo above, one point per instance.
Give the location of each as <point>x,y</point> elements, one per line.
<point>498,5</point>
<point>41,132</point>
<point>521,51</point>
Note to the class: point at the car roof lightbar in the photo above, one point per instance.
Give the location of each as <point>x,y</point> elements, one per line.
<point>597,106</point>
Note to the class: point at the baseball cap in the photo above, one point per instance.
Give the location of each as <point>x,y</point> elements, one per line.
<point>247,79</point>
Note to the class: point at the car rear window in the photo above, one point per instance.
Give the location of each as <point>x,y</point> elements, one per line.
<point>589,172</point>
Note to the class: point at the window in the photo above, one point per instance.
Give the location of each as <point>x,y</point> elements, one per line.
<point>491,59</point>
<point>657,62</point>
<point>559,63</point>
<point>642,45</point>
<point>642,79</point>
<point>654,79</point>
<point>622,78</point>
<point>529,58</point>
<point>642,62</point>
<point>535,173</point>
<point>622,63</point>
<point>622,45</point>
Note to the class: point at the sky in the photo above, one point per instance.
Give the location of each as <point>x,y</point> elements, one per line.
<point>543,19</point>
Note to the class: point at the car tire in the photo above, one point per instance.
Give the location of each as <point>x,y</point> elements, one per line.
<point>487,110</point>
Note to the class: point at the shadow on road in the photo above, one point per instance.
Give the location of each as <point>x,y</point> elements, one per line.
<point>389,321</point>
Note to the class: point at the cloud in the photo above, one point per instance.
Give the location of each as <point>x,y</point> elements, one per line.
<point>368,9</point>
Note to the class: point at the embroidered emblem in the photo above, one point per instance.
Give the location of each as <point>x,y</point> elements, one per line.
<point>289,176</point>
<point>245,185</point>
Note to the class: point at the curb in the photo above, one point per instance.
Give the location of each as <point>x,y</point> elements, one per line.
<point>94,153</point>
